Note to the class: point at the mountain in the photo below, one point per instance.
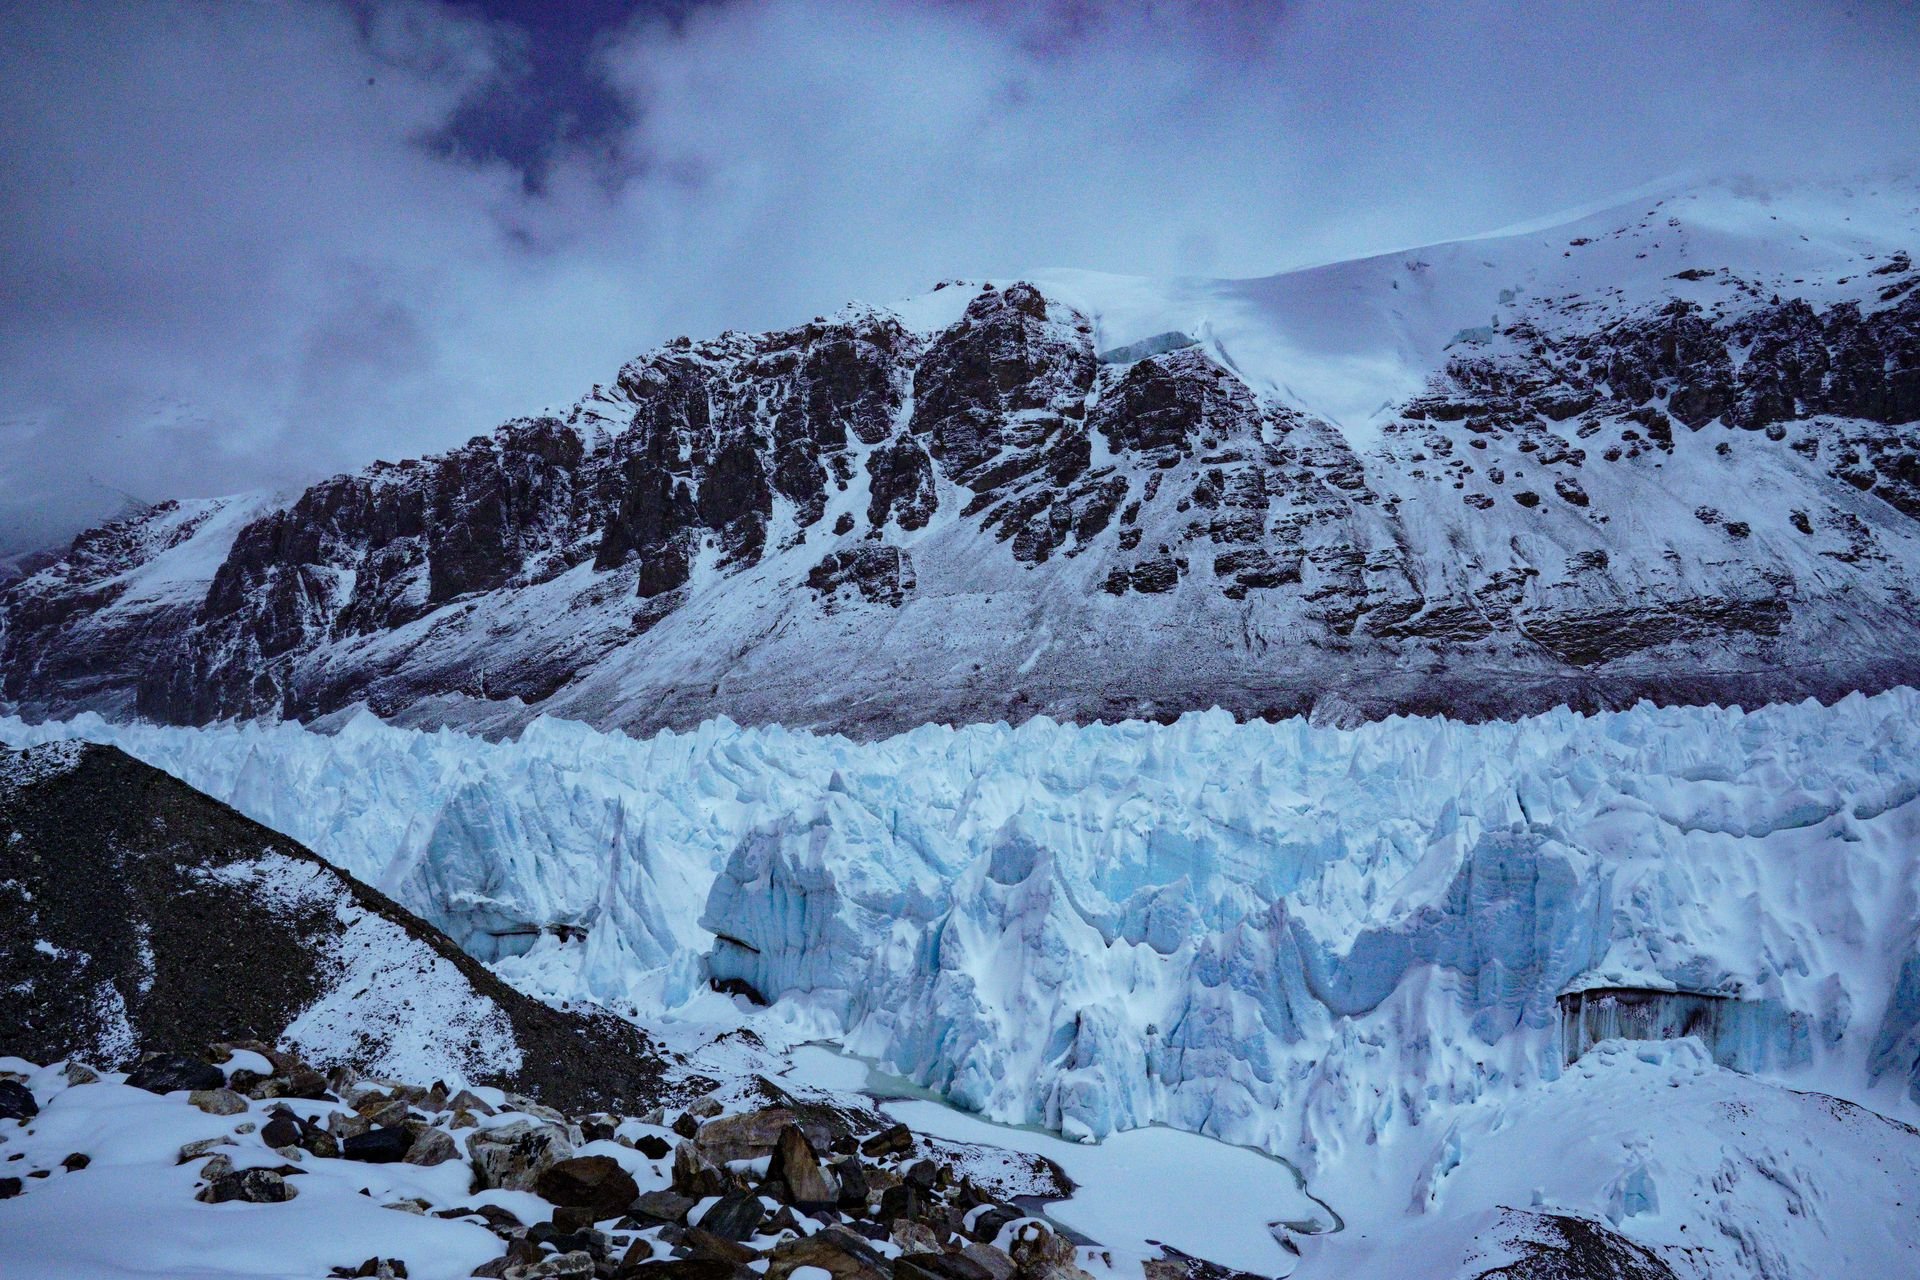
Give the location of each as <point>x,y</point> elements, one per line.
<point>1663,450</point>
<point>137,914</point>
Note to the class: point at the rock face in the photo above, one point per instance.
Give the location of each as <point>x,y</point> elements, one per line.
<point>137,913</point>
<point>1650,476</point>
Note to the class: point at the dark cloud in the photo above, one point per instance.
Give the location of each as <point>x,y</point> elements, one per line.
<point>244,245</point>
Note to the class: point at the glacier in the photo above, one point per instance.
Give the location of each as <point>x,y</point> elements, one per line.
<point>1296,937</point>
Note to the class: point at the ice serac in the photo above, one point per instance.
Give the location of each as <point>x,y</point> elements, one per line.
<point>1666,450</point>
<point>1306,938</point>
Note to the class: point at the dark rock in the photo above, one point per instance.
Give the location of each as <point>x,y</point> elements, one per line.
<point>9,1188</point>
<point>166,1072</point>
<point>653,1146</point>
<point>378,1146</point>
<point>116,856</point>
<point>880,574</point>
<point>902,1201</point>
<point>748,1135</point>
<point>938,1266</point>
<point>661,1206</point>
<point>988,1222</point>
<point>77,1160</point>
<point>594,1183</point>
<point>283,1130</point>
<point>794,1173</point>
<point>685,1269</point>
<point>734,1217</point>
<point>696,1175</point>
<point>841,1253</point>
<point>17,1101</point>
<point>901,485</point>
<point>896,1140</point>
<point>702,1243</point>
<point>853,1182</point>
<point>568,1219</point>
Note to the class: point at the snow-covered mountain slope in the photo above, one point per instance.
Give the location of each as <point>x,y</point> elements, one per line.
<point>1666,449</point>
<point>1349,947</point>
<point>138,914</point>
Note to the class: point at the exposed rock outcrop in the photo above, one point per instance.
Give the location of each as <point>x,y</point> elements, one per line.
<point>138,914</point>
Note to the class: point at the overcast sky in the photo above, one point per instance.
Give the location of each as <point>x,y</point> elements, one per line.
<point>247,245</point>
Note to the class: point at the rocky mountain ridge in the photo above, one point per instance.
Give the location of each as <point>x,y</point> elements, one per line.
<point>1680,463</point>
<point>138,914</point>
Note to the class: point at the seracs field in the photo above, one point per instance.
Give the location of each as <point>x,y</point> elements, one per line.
<point>1342,946</point>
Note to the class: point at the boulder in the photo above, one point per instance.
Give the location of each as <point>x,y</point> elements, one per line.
<point>986,1223</point>
<point>662,1206</point>
<point>202,1147</point>
<point>432,1147</point>
<point>897,1140</point>
<point>853,1182</point>
<point>994,1261</point>
<point>378,1146</point>
<point>902,1201</point>
<point>575,1265</point>
<point>916,1237</point>
<point>283,1130</point>
<point>251,1186</point>
<point>17,1102</point>
<point>466,1100</point>
<point>218,1102</point>
<point>653,1146</point>
<point>1040,1254</point>
<point>705,1244</point>
<point>734,1217</point>
<point>837,1251</point>
<point>938,1266</point>
<point>696,1175</point>
<point>747,1136</point>
<point>685,1269</point>
<point>166,1072</point>
<point>594,1183</point>
<point>514,1155</point>
<point>795,1176</point>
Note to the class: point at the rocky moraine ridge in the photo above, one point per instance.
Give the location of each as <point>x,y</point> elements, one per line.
<point>1704,490</point>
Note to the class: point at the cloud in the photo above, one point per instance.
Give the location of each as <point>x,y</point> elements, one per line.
<point>240,248</point>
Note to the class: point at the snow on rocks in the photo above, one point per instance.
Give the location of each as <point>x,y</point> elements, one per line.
<point>136,912</point>
<point>118,1180</point>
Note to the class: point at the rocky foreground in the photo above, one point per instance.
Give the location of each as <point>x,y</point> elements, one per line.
<point>696,1192</point>
<point>227,1150</point>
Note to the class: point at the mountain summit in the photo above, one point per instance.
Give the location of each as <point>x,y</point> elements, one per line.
<point>1665,450</point>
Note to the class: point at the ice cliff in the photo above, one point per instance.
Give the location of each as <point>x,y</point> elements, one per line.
<point>1300,937</point>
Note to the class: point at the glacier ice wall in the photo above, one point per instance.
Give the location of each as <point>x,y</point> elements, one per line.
<point>1288,935</point>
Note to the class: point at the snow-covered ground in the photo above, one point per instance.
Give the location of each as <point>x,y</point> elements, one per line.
<point>1341,946</point>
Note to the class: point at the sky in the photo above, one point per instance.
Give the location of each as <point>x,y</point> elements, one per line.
<point>246,245</point>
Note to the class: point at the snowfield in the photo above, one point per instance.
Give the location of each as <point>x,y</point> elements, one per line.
<point>1344,947</point>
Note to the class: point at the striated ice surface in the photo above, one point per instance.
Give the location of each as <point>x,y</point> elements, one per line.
<point>1307,939</point>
